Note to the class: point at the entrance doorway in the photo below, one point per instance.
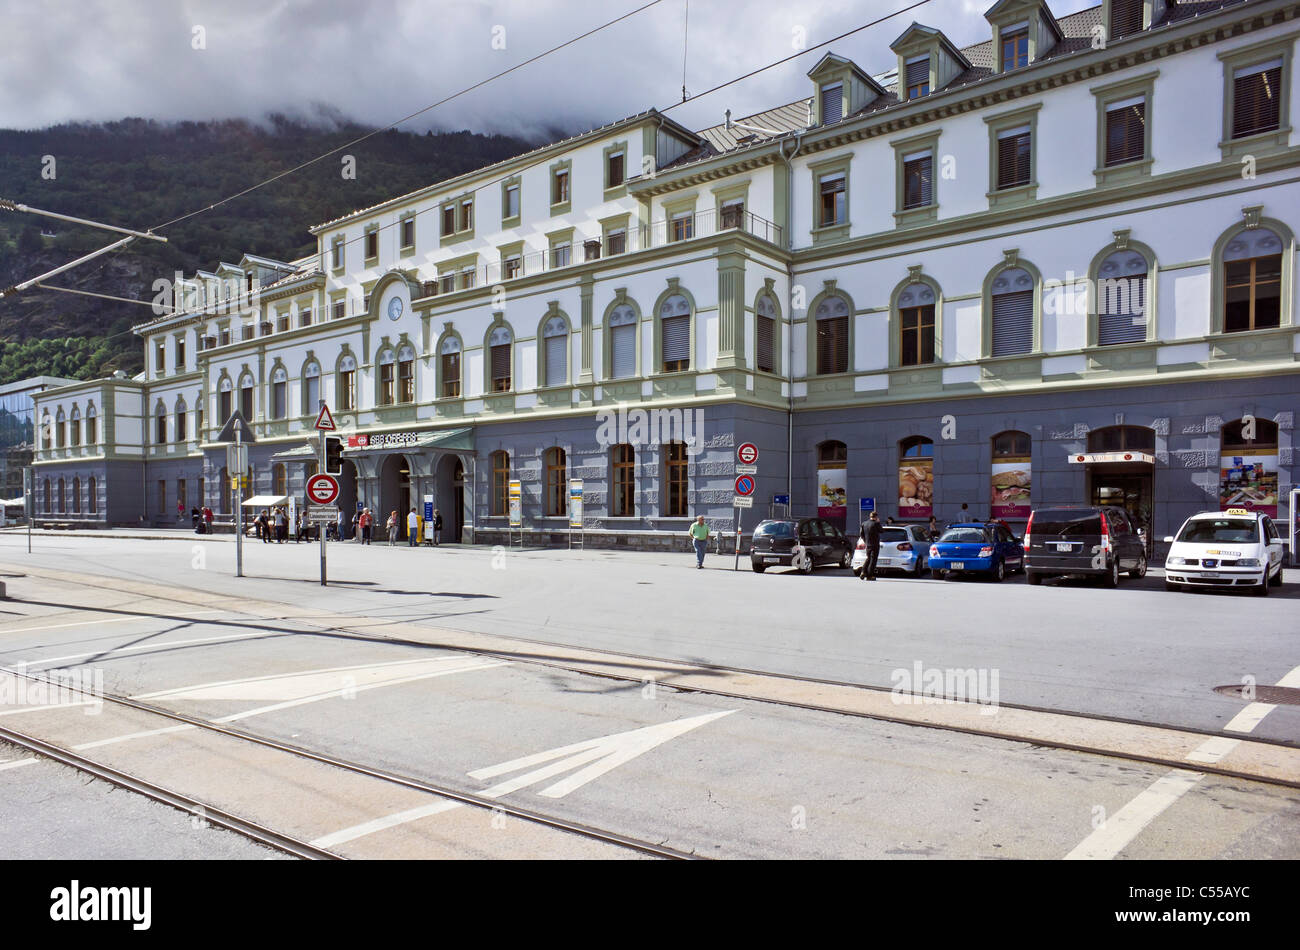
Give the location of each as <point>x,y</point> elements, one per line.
<point>458,500</point>
<point>1130,490</point>
<point>347,500</point>
<point>394,490</point>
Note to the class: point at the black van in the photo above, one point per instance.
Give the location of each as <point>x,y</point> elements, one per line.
<point>1083,540</point>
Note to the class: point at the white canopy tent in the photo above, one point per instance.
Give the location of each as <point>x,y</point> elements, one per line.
<point>266,501</point>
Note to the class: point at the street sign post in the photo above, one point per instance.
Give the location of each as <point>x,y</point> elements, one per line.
<point>240,433</point>
<point>865,507</point>
<point>515,508</point>
<point>745,486</point>
<point>326,486</point>
<point>428,519</point>
<point>322,489</point>
<point>575,511</point>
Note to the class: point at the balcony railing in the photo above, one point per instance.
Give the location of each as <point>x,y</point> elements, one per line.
<point>676,230</point>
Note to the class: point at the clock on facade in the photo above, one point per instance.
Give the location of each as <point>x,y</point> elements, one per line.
<point>395,308</point>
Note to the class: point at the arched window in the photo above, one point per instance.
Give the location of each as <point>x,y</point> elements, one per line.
<point>223,493</point>
<point>406,374</point>
<point>622,342</point>
<point>347,386</point>
<point>387,378</point>
<point>279,479</point>
<point>557,483</point>
<point>676,480</point>
<point>1252,281</point>
<point>499,350</point>
<point>623,465</point>
<point>765,336</point>
<point>74,428</point>
<point>310,388</point>
<point>246,398</point>
<point>92,495</point>
<point>449,366</point>
<point>63,504</point>
<point>49,497</point>
<point>182,432</point>
<point>1121,298</point>
<point>225,399</point>
<point>60,431</point>
<point>1248,465</point>
<point>76,495</point>
<point>916,477</point>
<point>1122,439</point>
<point>92,426</point>
<point>1011,481</point>
<point>832,321</point>
<point>47,431</point>
<point>555,340</point>
<point>675,333</point>
<point>832,481</point>
<point>1013,312</point>
<point>916,326</point>
<point>160,424</point>
<point>279,393</point>
<point>500,482</point>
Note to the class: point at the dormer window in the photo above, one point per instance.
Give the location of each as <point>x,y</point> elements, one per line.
<point>918,77</point>
<point>1015,46</point>
<point>832,103</point>
<point>1125,18</point>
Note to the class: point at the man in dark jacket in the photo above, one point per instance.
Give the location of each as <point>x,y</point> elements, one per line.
<point>871,531</point>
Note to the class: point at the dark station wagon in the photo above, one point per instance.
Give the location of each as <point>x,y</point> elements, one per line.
<point>774,542</point>
<point>1096,541</point>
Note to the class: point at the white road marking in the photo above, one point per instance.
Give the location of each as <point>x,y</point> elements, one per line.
<point>89,623</point>
<point>16,763</point>
<point>152,645</point>
<point>1118,831</point>
<point>605,753</point>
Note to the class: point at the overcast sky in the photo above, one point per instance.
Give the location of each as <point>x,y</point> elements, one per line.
<point>378,60</point>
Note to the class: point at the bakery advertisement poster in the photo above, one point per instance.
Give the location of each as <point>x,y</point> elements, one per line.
<point>832,493</point>
<point>1249,481</point>
<point>916,488</point>
<point>1010,488</point>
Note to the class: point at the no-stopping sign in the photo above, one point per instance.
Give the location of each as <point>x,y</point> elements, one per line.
<point>745,485</point>
<point>322,489</point>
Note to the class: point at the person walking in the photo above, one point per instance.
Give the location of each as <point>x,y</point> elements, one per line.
<point>699,533</point>
<point>338,526</point>
<point>437,527</point>
<point>264,526</point>
<point>412,529</point>
<point>367,525</point>
<point>391,525</point>
<point>356,526</point>
<point>180,510</point>
<point>207,519</point>
<point>282,528</point>
<point>870,532</point>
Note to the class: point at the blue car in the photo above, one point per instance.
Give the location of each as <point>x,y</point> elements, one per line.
<point>977,548</point>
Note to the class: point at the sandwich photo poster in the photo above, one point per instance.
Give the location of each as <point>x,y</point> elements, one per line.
<point>832,494</point>
<point>1010,487</point>
<point>1249,481</point>
<point>916,488</point>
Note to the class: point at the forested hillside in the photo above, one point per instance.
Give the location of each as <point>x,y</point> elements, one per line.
<point>138,174</point>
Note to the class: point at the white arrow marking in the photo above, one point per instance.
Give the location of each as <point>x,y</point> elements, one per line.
<point>604,753</point>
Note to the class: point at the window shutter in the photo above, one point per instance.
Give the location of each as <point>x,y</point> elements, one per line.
<point>763,343</point>
<point>624,362</point>
<point>918,180</point>
<point>1013,323</point>
<point>501,362</point>
<point>918,73</point>
<point>832,345</point>
<point>1013,158</point>
<point>677,339</point>
<point>832,103</point>
<point>1125,18</point>
<point>557,369</point>
<point>1121,298</point>
<point>1256,95</point>
<point>1125,127</point>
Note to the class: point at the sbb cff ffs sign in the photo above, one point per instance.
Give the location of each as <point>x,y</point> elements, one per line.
<point>322,489</point>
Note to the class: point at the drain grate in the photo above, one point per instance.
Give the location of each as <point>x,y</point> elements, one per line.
<point>1277,695</point>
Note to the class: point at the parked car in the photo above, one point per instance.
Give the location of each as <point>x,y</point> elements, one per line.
<point>975,548</point>
<point>774,543</point>
<point>902,548</point>
<point>1092,541</point>
<point>1233,548</point>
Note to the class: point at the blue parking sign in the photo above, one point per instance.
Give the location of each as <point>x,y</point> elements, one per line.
<point>866,505</point>
<point>781,500</point>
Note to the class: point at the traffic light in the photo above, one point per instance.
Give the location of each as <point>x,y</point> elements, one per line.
<point>333,455</point>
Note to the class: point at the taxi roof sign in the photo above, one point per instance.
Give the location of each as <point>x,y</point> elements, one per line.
<point>1239,511</point>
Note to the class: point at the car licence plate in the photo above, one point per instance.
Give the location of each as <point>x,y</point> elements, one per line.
<point>1207,574</point>
<point>884,560</point>
<point>956,566</point>
<point>771,560</point>
<point>1065,547</point>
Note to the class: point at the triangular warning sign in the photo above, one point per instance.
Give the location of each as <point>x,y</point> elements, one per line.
<point>324,420</point>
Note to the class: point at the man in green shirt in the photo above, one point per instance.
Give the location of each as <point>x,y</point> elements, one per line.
<point>699,533</point>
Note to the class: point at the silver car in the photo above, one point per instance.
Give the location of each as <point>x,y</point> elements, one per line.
<point>904,547</point>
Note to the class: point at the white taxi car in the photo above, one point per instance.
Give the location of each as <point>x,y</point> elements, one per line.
<point>1233,548</point>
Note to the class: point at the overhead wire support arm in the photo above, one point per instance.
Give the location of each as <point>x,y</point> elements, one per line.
<point>18,288</point>
<point>7,205</point>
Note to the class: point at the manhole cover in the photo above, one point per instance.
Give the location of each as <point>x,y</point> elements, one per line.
<point>1277,695</point>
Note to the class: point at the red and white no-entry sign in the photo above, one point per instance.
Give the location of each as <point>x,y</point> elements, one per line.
<point>322,489</point>
<point>747,452</point>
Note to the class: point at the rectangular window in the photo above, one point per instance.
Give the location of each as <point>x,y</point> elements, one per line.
<point>833,199</point>
<point>561,255</point>
<point>448,283</point>
<point>448,220</point>
<point>348,389</point>
<point>500,482</point>
<point>180,354</point>
<point>616,242</point>
<point>1256,94</point>
<point>832,103</point>
<point>467,278</point>
<point>832,345</point>
<point>918,77</point>
<point>406,380</point>
<point>408,232</point>
<point>181,431</point>
<point>450,375</point>
<point>1013,323</point>
<point>1125,18</point>
<point>614,170</point>
<point>1014,157</point>
<point>198,423</point>
<point>336,253</point>
<point>623,355</point>
<point>225,405</point>
<point>677,344</point>
<point>160,436</point>
<point>281,323</point>
<point>512,266</point>
<point>501,368</point>
<point>225,336</point>
<point>92,436</point>
<point>1126,131</point>
<point>557,483</point>
<point>675,480</point>
<point>1253,294</point>
<point>246,332</point>
<point>510,205</point>
<point>340,309</point>
<point>467,214</point>
<point>372,244</point>
<point>160,356</point>
<point>623,502</point>
<point>733,213</point>
<point>385,384</point>
<point>162,497</point>
<point>917,341</point>
<point>1015,47</point>
<point>764,343</point>
<point>560,186</point>
<point>682,227</point>
<point>918,180</point>
<point>304,318</point>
